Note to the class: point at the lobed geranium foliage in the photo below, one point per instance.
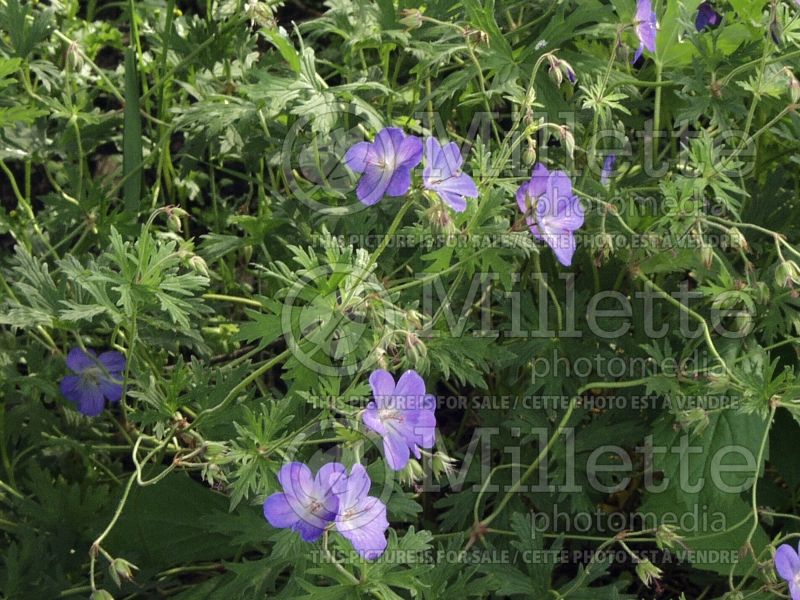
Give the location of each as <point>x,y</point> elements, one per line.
<point>390,299</point>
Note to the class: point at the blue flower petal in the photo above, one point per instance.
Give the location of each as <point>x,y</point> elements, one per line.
<point>78,360</point>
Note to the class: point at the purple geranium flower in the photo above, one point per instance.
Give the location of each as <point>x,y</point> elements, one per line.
<point>308,504</point>
<point>96,379</point>
<point>787,564</point>
<point>646,26</point>
<point>386,164</point>
<point>552,212</point>
<point>402,414</point>
<point>361,518</point>
<point>608,168</point>
<point>706,16</point>
<point>443,175</point>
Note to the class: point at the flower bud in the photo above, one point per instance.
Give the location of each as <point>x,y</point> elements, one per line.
<point>695,419</point>
<point>174,223</point>
<point>259,13</point>
<point>707,256</point>
<point>415,347</point>
<point>568,71</point>
<point>443,465</point>
<point>569,141</point>
<point>101,595</point>
<point>217,453</point>
<point>647,572</point>
<point>174,216</point>
<point>74,57</point>
<point>414,318</point>
<point>440,219</point>
<point>120,569</point>
<point>605,247</point>
<point>794,86</point>
<point>199,265</point>
<point>738,240</point>
<point>530,152</point>
<point>776,32</point>
<point>761,292</point>
<point>787,274</point>
<point>556,74</point>
<point>413,472</point>
<point>481,37</point>
<point>412,18</point>
<point>666,537</point>
<point>718,383</point>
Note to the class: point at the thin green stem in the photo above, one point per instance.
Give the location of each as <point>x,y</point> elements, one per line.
<point>99,540</point>
<point>754,496</point>
<point>573,403</point>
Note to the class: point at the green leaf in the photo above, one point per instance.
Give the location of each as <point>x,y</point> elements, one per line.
<point>287,50</point>
<point>671,48</point>
<point>132,136</point>
<point>170,523</point>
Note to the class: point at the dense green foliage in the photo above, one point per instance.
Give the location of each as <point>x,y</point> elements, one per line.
<point>172,189</point>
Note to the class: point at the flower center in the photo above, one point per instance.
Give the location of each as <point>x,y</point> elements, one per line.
<point>391,414</point>
<point>316,507</point>
<point>387,164</point>
<point>92,376</point>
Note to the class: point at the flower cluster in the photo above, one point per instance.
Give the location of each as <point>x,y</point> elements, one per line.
<point>387,162</point>
<point>552,211</point>
<point>310,504</point>
<point>402,414</point>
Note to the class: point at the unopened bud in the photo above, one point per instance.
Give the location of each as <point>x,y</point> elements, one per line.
<point>695,419</point>
<point>787,274</point>
<point>120,569</point>
<point>74,56</point>
<point>199,265</point>
<point>415,347</point>
<point>794,88</point>
<point>707,256</point>
<point>174,215</point>
<point>776,32</point>
<point>414,318</point>
<point>101,595</point>
<point>568,71</point>
<point>412,18</point>
<point>605,246</point>
<point>738,240</point>
<point>555,73</point>
<point>647,572</point>
<point>718,382</point>
<point>440,219</point>
<point>666,537</point>
<point>569,141</point>
<point>530,152</point>
<point>259,13</point>
<point>443,465</point>
<point>481,37</point>
<point>761,292</point>
<point>413,472</point>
